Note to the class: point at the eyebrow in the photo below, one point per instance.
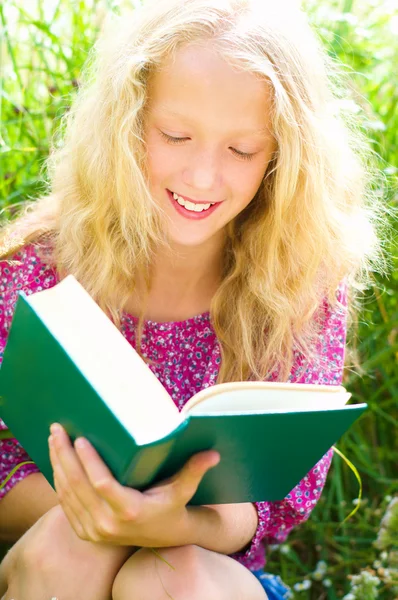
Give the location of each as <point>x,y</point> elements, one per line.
<point>172,113</point>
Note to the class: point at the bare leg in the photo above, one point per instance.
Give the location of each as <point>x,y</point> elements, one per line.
<point>192,573</point>
<point>51,561</point>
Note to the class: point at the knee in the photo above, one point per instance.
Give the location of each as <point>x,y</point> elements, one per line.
<point>46,550</point>
<point>167,572</point>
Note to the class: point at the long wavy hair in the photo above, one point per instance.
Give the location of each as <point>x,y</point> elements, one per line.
<point>310,225</point>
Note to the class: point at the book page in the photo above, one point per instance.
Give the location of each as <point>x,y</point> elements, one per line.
<point>107,360</point>
<point>258,396</point>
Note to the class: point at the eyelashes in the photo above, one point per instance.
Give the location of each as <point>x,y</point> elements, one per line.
<point>180,140</point>
<point>173,140</point>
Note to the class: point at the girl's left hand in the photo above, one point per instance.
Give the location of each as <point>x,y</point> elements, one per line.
<point>101,510</point>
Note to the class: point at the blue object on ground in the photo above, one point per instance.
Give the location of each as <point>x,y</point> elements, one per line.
<point>273,586</point>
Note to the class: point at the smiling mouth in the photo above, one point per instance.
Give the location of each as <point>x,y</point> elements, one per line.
<point>192,210</point>
<point>192,206</point>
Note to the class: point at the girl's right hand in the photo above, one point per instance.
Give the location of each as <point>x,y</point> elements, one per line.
<point>51,561</point>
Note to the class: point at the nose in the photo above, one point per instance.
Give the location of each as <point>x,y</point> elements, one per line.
<point>203,170</point>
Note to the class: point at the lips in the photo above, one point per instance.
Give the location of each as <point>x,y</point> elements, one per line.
<point>195,216</point>
<point>192,200</point>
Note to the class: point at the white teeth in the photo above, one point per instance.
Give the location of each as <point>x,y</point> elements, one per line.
<point>190,205</point>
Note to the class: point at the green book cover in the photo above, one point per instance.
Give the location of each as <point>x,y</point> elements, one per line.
<point>66,362</point>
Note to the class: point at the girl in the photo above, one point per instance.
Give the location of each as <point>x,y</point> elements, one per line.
<point>208,197</point>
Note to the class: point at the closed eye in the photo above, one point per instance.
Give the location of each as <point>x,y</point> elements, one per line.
<point>171,139</point>
<point>244,155</point>
<point>179,140</point>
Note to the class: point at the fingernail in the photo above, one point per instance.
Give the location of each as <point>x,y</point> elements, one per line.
<point>80,443</point>
<point>216,459</point>
<point>55,429</point>
<point>50,440</point>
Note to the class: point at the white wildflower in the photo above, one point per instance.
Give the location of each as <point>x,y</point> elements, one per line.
<point>317,575</point>
<point>320,570</point>
<point>363,586</point>
<point>304,585</point>
<point>365,577</point>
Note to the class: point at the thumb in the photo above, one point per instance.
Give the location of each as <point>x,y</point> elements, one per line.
<point>185,483</point>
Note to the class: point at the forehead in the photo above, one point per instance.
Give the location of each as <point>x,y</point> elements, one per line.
<point>197,84</point>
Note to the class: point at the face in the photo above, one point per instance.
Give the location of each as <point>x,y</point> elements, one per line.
<point>208,137</point>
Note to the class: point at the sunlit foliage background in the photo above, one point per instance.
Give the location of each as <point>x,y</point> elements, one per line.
<point>43,47</point>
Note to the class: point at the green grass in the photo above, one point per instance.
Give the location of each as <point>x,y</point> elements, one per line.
<point>42,54</point>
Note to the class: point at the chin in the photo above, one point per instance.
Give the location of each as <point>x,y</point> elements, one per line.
<point>190,238</point>
<point>188,242</point>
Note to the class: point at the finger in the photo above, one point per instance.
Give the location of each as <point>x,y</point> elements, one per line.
<point>101,478</point>
<point>74,520</point>
<point>185,483</point>
<point>70,473</point>
<point>71,505</point>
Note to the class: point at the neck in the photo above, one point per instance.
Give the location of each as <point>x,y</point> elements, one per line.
<point>183,283</point>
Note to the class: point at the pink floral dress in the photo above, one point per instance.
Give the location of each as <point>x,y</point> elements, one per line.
<point>188,359</point>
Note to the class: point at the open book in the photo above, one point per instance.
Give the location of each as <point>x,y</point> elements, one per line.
<point>66,362</point>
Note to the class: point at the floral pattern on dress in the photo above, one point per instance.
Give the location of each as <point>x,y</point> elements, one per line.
<point>186,358</point>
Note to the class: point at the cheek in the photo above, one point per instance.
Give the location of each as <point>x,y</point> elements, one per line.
<point>246,180</point>
<point>161,162</point>
<point>157,163</point>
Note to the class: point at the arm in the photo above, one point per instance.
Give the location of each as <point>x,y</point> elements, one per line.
<point>223,528</point>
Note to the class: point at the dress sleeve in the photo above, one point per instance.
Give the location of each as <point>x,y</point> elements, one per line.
<point>23,272</point>
<point>277,519</point>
